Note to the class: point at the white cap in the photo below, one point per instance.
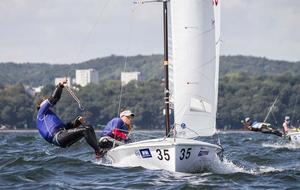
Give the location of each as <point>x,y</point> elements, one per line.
<point>287,118</point>
<point>247,119</point>
<point>126,113</point>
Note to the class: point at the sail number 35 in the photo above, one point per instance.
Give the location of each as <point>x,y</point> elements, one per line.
<point>163,154</point>
<point>185,153</point>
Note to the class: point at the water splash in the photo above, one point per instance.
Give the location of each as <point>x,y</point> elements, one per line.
<point>229,167</point>
<point>282,145</point>
<point>226,167</point>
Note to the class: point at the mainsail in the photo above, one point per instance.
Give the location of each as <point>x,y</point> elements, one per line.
<point>194,65</point>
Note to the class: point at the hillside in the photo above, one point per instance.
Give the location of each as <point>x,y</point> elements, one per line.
<point>150,67</point>
<point>37,74</point>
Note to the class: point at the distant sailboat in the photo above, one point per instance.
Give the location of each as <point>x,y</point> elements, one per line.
<point>290,133</point>
<point>294,136</point>
<point>192,36</point>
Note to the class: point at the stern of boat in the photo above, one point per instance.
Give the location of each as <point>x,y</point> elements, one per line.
<point>294,137</point>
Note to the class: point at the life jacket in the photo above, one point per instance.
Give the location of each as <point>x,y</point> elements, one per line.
<point>116,128</point>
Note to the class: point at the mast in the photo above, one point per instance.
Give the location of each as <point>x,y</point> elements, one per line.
<point>166,61</point>
<point>166,69</point>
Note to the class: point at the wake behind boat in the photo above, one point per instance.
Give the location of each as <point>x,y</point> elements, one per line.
<point>193,69</point>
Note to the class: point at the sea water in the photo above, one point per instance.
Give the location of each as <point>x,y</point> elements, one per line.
<point>252,161</point>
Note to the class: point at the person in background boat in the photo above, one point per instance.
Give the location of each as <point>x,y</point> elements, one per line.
<point>53,130</point>
<point>286,125</point>
<point>260,127</point>
<point>116,131</point>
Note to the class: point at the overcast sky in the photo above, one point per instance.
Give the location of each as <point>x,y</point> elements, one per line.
<point>71,31</point>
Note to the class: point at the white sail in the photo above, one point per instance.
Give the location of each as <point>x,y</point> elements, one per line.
<point>194,65</point>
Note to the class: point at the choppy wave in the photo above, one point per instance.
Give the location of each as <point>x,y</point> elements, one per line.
<point>252,161</point>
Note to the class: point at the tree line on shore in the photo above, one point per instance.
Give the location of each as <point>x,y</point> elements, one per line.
<point>240,95</point>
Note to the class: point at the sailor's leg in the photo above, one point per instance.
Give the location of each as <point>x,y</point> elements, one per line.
<point>278,133</point>
<point>68,137</point>
<point>271,131</point>
<point>90,137</point>
<point>73,124</point>
<point>264,129</point>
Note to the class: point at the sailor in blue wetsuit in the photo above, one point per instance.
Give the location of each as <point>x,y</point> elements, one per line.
<point>53,130</point>
<point>260,127</point>
<point>116,131</point>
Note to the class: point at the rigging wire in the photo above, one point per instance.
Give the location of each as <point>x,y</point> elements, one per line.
<point>274,118</point>
<point>80,50</point>
<point>126,58</point>
<point>270,109</point>
<point>294,109</point>
<point>87,38</point>
<point>92,29</point>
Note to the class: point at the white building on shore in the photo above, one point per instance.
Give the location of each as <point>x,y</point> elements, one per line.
<point>126,77</point>
<point>84,77</point>
<point>33,90</point>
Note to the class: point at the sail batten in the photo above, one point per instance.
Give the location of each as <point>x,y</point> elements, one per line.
<point>194,68</point>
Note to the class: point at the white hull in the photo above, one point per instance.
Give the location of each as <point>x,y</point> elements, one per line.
<point>179,155</point>
<point>294,137</point>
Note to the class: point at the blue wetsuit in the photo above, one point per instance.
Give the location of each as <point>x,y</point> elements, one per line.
<point>53,130</point>
<point>47,122</point>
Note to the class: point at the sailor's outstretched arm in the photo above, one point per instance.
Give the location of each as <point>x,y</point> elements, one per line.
<point>55,97</point>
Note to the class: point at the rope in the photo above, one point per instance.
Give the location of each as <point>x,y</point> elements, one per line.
<point>75,98</point>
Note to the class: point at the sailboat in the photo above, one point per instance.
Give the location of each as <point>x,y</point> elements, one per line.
<point>191,40</point>
<point>294,136</point>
